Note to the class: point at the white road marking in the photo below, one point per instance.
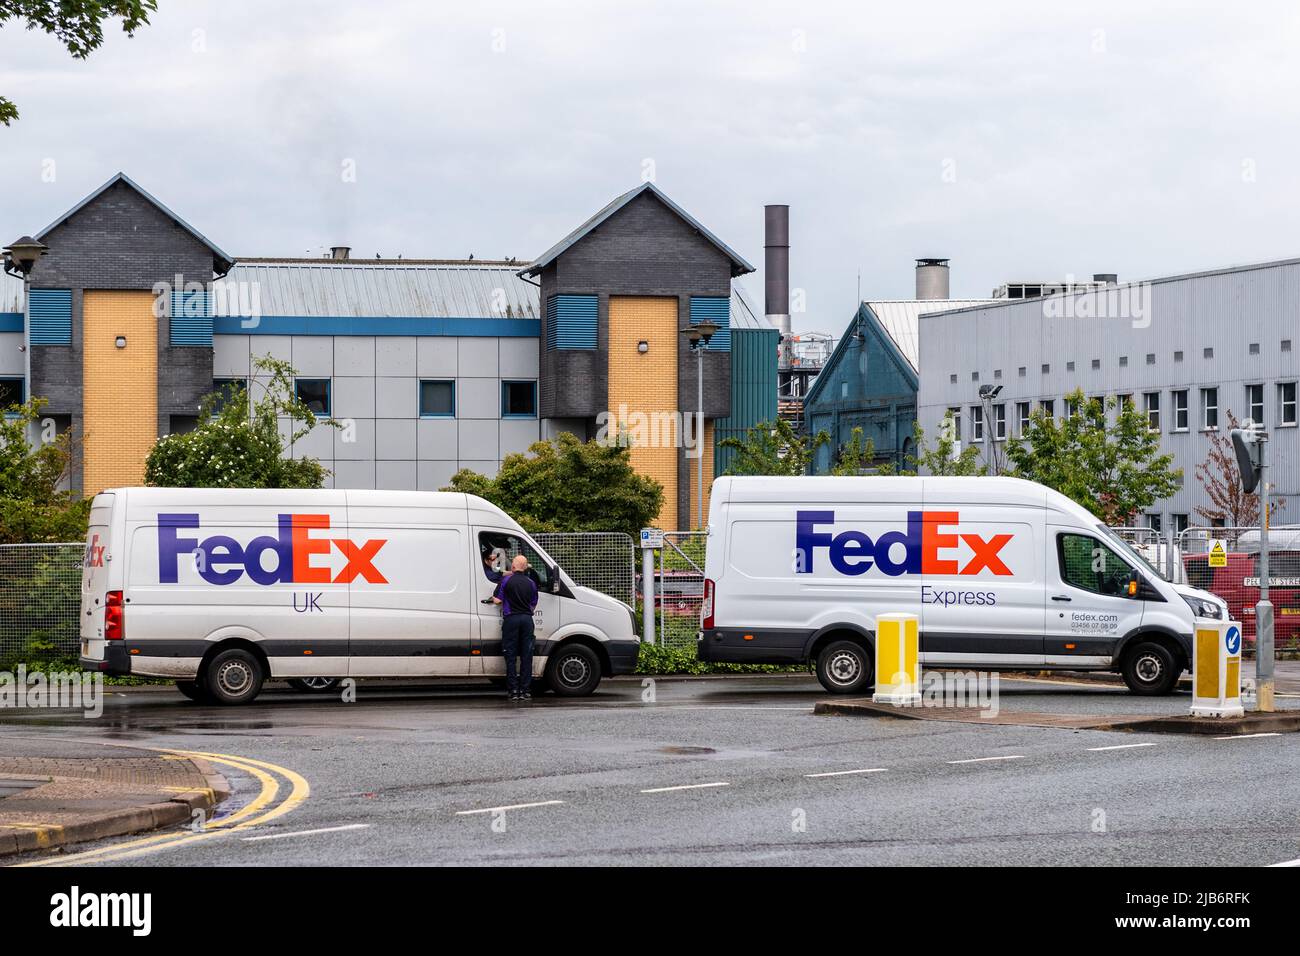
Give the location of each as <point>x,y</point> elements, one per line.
<point>1286,863</point>
<point>689,786</point>
<point>513,806</point>
<point>984,759</point>
<point>1118,747</point>
<point>1246,736</point>
<point>284,836</point>
<point>845,773</point>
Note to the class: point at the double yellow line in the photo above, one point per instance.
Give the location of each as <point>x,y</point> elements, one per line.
<point>260,810</point>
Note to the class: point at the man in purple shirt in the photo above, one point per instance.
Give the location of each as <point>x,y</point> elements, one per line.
<point>517,595</point>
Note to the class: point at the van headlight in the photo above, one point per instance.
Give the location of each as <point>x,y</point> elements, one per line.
<point>1203,608</point>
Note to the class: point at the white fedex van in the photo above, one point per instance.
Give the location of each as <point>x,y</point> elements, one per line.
<point>222,589</point>
<point>1003,574</point>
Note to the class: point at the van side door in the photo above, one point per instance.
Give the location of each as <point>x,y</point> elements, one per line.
<point>1088,607</point>
<point>411,595</point>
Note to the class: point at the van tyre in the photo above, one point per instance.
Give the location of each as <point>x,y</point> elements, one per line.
<point>315,685</point>
<point>1150,669</point>
<point>233,677</point>
<point>573,671</point>
<point>844,667</point>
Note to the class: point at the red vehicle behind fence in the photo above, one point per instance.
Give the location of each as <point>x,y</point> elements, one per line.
<point>1238,584</point>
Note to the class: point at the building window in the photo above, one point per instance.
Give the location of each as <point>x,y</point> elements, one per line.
<point>1181,522</point>
<point>1123,403</point>
<point>974,376</point>
<point>1022,417</point>
<point>952,379</point>
<point>1255,403</point>
<point>1096,363</point>
<point>1069,366</point>
<point>1180,410</point>
<point>1286,345</point>
<point>315,394</point>
<point>1178,356</point>
<point>518,399</point>
<point>1071,408</point>
<point>1210,409</point>
<point>1254,348</point>
<point>1155,523</point>
<point>976,423</point>
<point>437,398</point>
<point>226,390</point>
<point>1207,353</point>
<point>1047,368</point>
<point>997,373</point>
<point>11,393</point>
<point>1286,407</point>
<point>1151,358</point>
<point>1151,405</point>
<point>1000,422</point>
<point>955,433</point>
<point>1123,361</point>
<point>1021,371</point>
<point>1048,407</point>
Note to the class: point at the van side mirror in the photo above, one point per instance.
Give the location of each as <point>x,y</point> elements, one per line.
<point>555,578</point>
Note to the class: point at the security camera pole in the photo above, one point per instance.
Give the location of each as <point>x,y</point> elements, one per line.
<point>1252,475</point>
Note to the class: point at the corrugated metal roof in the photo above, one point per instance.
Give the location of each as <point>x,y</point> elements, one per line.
<point>743,314</point>
<point>379,288</point>
<point>11,293</point>
<point>899,318</point>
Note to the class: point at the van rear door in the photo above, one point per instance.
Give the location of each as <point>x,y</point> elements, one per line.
<point>95,576</point>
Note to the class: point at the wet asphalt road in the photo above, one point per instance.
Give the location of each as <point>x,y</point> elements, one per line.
<point>413,774</point>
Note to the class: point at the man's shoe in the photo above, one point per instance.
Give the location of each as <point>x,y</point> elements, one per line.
<point>525,696</point>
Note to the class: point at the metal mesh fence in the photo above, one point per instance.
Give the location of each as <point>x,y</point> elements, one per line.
<point>600,560</point>
<point>40,599</point>
<point>1225,561</point>
<point>679,588</point>
<point>1160,550</point>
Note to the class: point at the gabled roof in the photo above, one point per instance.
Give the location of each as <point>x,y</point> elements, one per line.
<point>222,262</point>
<point>900,320</point>
<point>738,265</point>
<point>743,316</point>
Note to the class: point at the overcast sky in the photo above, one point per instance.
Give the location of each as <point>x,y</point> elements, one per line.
<point>1023,141</point>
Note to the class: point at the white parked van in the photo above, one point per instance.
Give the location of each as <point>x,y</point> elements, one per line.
<point>222,589</point>
<point>1003,573</point>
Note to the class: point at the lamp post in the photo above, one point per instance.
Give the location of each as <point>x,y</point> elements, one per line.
<point>698,336</point>
<point>20,258</point>
<point>987,394</point>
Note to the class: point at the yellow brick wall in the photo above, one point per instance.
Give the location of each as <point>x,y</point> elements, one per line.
<point>646,383</point>
<point>121,387</point>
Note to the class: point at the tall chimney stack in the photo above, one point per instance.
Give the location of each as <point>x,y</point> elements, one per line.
<point>776,273</point>
<point>931,279</point>
<point>340,252</point>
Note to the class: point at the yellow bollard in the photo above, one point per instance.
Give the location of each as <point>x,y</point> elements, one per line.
<point>898,660</point>
<point>1216,669</point>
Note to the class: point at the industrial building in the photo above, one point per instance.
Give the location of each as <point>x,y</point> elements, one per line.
<point>435,365</point>
<point>1187,350</point>
<point>873,375</point>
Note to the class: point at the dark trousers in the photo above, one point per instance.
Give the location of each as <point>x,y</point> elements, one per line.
<point>517,641</point>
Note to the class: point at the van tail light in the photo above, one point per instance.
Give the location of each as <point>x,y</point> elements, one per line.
<point>706,606</point>
<point>114,625</point>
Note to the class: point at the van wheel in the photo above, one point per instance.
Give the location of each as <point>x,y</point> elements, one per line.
<point>314,685</point>
<point>1149,669</point>
<point>193,690</point>
<point>844,667</point>
<point>233,677</point>
<point>573,671</point>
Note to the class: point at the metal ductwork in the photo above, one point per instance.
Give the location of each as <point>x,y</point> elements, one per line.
<point>932,279</point>
<point>340,252</point>
<point>776,273</point>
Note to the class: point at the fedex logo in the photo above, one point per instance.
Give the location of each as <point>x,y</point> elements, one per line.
<point>924,545</point>
<point>94,553</point>
<point>224,560</point>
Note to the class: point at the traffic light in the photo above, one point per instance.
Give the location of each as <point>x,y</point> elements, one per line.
<point>1242,441</point>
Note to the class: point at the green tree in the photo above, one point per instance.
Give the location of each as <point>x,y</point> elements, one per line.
<point>858,457</point>
<point>773,448</point>
<point>1115,471</point>
<point>77,24</point>
<point>569,485</point>
<point>33,508</point>
<point>238,444</point>
<point>942,458</point>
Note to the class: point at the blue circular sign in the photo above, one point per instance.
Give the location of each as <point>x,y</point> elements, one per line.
<point>1232,640</point>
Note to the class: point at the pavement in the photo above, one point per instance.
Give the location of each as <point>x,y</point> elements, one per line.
<point>721,771</point>
<point>58,792</point>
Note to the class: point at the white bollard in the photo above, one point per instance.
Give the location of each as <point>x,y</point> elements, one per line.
<point>1216,669</point>
<point>898,660</point>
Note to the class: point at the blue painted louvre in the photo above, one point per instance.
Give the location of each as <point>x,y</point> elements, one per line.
<point>51,312</point>
<point>717,309</point>
<point>571,322</point>
<point>191,319</point>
